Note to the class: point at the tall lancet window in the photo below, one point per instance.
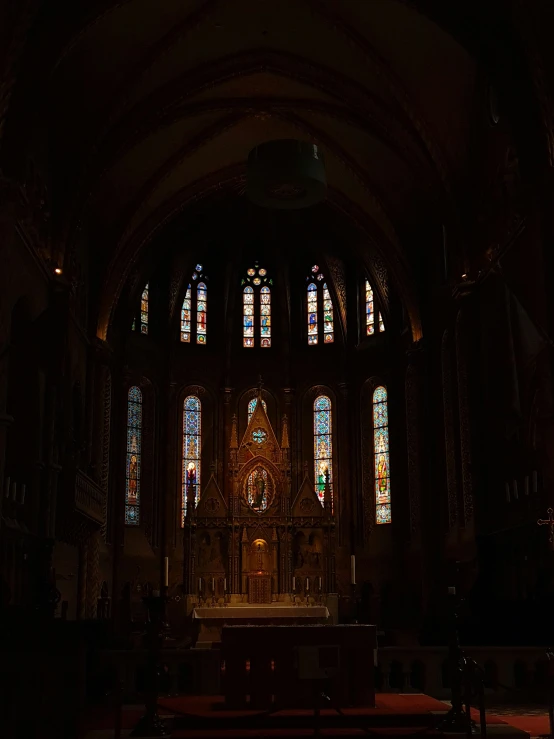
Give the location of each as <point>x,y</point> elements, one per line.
<point>381,456</point>
<point>252,406</point>
<point>373,318</point>
<point>133,461</point>
<point>195,301</point>
<point>319,309</point>
<point>256,308</point>
<point>323,445</point>
<point>192,447</point>
<point>144,310</point>
<point>185,316</point>
<point>201,313</point>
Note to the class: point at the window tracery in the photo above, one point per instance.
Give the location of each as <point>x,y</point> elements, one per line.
<point>252,406</point>
<point>197,301</point>
<point>319,303</point>
<point>144,310</point>
<point>373,319</point>
<point>256,312</point>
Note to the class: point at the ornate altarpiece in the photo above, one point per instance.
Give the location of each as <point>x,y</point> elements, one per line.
<point>253,546</point>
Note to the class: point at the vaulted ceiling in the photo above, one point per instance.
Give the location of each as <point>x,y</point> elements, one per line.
<point>146,105</point>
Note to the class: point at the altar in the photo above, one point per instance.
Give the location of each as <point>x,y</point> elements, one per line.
<point>210,621</point>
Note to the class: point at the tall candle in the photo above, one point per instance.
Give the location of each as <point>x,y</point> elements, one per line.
<point>294,583</point>
<point>199,584</point>
<point>213,585</point>
<point>535,486</point>
<point>516,497</point>
<point>320,583</point>
<point>166,572</point>
<point>353,569</point>
<point>225,584</point>
<point>307,584</point>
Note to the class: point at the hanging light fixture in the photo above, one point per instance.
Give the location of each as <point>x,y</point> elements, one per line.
<point>286,174</point>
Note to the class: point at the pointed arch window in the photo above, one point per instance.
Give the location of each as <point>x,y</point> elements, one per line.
<point>144,310</point>
<point>319,309</point>
<point>373,318</point>
<point>252,406</point>
<point>201,313</point>
<point>256,312</point>
<point>134,455</point>
<point>381,456</point>
<point>192,447</point>
<point>185,316</point>
<point>323,445</point>
<point>195,301</point>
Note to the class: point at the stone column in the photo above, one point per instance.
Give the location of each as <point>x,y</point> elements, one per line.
<point>413,442</point>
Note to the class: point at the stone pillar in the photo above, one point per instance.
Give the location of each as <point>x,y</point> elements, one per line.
<point>463,361</point>
<point>82,581</point>
<point>93,575</point>
<point>413,441</point>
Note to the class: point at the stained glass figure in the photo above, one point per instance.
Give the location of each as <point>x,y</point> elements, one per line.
<point>185,316</point>
<point>251,272</point>
<point>201,312</point>
<point>315,268</point>
<point>312,314</point>
<point>369,309</point>
<point>248,317</point>
<point>257,489</point>
<point>192,445</point>
<point>265,317</point>
<point>323,445</point>
<point>199,268</point>
<point>133,462</point>
<point>381,456</point>
<point>381,323</point>
<point>144,310</point>
<point>262,272</point>
<point>328,333</point>
<point>252,405</point>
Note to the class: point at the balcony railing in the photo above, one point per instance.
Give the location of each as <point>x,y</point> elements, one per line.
<point>89,498</point>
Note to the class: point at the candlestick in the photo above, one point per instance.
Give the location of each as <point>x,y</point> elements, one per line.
<point>166,572</point>
<point>353,569</point>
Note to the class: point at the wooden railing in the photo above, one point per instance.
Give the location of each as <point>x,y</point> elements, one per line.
<point>508,670</point>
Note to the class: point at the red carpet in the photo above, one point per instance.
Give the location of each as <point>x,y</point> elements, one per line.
<point>203,717</point>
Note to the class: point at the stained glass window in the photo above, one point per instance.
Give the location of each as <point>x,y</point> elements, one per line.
<point>144,310</point>
<point>381,323</point>
<point>265,317</point>
<point>185,317</point>
<point>323,445</point>
<point>328,333</point>
<point>201,313</point>
<point>252,405</point>
<point>369,309</point>
<point>133,461</point>
<point>381,455</point>
<point>312,314</point>
<point>248,316</point>
<point>192,444</point>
